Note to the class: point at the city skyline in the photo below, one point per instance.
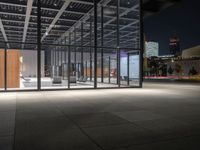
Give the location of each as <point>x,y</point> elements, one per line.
<point>174,20</point>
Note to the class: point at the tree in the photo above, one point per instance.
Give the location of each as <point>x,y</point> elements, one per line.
<point>170,70</point>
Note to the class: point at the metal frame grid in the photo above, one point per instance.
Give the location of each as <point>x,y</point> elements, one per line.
<point>40,24</point>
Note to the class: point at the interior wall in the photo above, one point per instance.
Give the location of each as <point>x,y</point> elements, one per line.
<point>29,65</point>
<point>13,68</point>
<point>1,68</point>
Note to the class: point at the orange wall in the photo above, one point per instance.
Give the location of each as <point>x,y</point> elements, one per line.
<point>1,68</point>
<point>13,68</point>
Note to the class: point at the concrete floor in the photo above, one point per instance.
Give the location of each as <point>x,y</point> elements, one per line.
<point>157,117</point>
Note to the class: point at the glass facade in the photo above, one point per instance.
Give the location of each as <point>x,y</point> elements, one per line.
<point>48,44</point>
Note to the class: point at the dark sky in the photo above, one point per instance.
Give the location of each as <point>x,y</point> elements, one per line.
<point>182,19</point>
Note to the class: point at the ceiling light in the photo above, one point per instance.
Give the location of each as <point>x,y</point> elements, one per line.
<point>3,7</point>
<point>109,11</point>
<point>55,4</point>
<point>20,9</point>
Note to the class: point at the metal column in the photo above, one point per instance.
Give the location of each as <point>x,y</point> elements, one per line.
<point>109,69</point>
<point>75,49</point>
<point>39,45</point>
<point>95,44</point>
<point>128,55</point>
<point>69,60</point>
<point>102,43</point>
<point>65,50</point>
<point>90,48</point>
<point>5,67</point>
<point>141,44</point>
<point>82,65</point>
<point>118,44</point>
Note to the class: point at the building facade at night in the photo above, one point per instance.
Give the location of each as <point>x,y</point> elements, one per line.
<point>74,44</point>
<point>151,49</point>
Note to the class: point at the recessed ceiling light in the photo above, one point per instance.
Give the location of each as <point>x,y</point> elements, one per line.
<point>20,9</point>
<point>3,7</point>
<point>109,11</point>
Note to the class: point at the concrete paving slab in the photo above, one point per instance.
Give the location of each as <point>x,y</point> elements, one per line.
<point>6,143</point>
<point>98,119</point>
<point>140,115</point>
<point>113,137</point>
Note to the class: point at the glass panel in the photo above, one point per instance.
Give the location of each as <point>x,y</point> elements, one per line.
<point>113,69</point>
<point>82,71</point>
<point>71,30</point>
<point>109,24</point>
<point>129,20</point>
<point>21,66</point>
<point>99,66</point>
<point>54,73</point>
<point>57,26</point>
<point>124,59</point>
<point>19,22</point>
<point>106,69</point>
<point>134,68</point>
<point>74,33</point>
<point>109,69</point>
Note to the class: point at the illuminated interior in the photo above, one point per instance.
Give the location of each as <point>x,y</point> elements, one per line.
<point>47,44</point>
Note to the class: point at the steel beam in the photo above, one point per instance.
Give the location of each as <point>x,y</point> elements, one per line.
<point>3,32</point>
<point>28,13</point>
<point>65,5</point>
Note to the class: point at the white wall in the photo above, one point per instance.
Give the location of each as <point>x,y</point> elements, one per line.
<point>29,65</point>
<point>133,66</point>
<point>123,66</point>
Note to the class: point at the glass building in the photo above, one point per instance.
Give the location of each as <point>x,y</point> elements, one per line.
<point>70,44</point>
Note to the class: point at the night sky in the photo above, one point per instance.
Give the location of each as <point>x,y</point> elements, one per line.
<point>182,19</point>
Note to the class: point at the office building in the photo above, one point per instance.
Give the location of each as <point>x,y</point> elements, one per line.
<point>151,49</point>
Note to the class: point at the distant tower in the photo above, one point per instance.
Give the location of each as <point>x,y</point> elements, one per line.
<point>174,45</point>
